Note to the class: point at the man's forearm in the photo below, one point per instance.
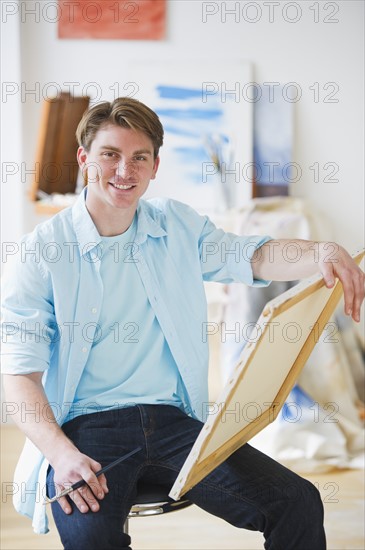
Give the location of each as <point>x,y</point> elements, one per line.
<point>40,426</point>
<point>69,464</point>
<point>291,259</point>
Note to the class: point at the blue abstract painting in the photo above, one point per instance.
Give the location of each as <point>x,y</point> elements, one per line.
<point>208,134</point>
<point>190,123</point>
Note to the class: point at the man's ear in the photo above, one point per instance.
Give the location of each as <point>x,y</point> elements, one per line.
<point>81,159</point>
<point>81,156</point>
<point>155,168</point>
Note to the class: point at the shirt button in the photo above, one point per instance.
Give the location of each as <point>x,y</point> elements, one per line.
<point>84,350</point>
<point>94,310</point>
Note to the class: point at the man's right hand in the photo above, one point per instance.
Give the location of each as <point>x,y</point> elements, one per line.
<point>69,464</point>
<point>72,466</point>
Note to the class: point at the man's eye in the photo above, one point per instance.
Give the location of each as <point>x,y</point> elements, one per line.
<point>140,157</point>
<point>110,155</point>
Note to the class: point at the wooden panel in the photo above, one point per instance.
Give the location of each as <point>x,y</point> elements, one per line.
<point>264,376</point>
<point>56,162</point>
<point>44,208</point>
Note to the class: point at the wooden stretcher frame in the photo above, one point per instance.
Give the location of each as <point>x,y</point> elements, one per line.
<point>263,378</point>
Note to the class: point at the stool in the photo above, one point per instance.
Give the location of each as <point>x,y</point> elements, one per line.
<point>152,500</point>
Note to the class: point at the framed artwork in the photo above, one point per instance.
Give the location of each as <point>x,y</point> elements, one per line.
<point>273,142</point>
<point>117,19</point>
<point>287,330</point>
<point>206,159</point>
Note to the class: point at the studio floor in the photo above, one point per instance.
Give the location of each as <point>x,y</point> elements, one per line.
<point>193,529</point>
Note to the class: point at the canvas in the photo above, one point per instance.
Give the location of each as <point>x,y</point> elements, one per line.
<point>120,19</point>
<point>207,120</point>
<point>286,333</point>
<point>273,142</point>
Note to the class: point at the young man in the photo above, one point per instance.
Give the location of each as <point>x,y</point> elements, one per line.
<point>103,309</point>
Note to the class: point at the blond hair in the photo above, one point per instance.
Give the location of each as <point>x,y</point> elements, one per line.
<point>123,111</point>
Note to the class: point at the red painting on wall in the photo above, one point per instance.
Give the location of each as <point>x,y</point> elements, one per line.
<point>110,19</point>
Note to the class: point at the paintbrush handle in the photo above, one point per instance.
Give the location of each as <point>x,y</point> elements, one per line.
<point>82,482</point>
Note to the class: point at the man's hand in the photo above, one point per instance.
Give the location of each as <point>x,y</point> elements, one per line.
<point>290,260</point>
<point>71,467</point>
<point>340,264</point>
<point>68,463</point>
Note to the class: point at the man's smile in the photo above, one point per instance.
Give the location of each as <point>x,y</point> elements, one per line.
<point>121,186</point>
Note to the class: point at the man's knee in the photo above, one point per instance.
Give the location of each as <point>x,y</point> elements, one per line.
<point>302,500</point>
<point>311,495</point>
<point>297,521</point>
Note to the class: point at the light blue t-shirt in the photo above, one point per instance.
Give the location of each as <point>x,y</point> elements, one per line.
<point>130,361</point>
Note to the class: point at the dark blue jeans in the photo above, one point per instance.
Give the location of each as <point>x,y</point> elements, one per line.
<point>249,490</point>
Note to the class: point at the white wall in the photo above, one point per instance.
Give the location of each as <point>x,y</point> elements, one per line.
<point>12,189</point>
<point>304,52</point>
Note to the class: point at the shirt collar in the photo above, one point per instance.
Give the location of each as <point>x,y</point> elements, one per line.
<point>88,236</point>
<point>146,224</point>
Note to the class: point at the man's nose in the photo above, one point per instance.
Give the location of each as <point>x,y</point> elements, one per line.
<point>125,169</point>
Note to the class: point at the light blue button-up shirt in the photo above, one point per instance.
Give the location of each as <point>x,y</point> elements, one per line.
<point>53,293</point>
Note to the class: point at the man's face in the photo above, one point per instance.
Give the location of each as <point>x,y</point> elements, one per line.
<point>120,165</point>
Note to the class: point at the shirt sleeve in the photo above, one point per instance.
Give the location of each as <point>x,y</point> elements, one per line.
<point>28,325</point>
<point>226,257</point>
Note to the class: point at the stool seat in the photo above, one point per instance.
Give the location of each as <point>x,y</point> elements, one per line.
<point>153,499</point>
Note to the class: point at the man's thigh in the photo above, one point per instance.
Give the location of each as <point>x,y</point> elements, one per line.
<point>249,490</point>
<point>104,437</point>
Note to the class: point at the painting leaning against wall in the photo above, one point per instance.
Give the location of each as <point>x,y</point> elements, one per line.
<point>273,142</point>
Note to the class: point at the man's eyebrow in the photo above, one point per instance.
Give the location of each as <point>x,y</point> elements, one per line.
<point>110,147</point>
<point>143,151</point>
<point>117,150</point>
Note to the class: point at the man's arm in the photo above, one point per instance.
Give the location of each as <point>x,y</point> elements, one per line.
<point>69,464</point>
<point>290,260</point>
